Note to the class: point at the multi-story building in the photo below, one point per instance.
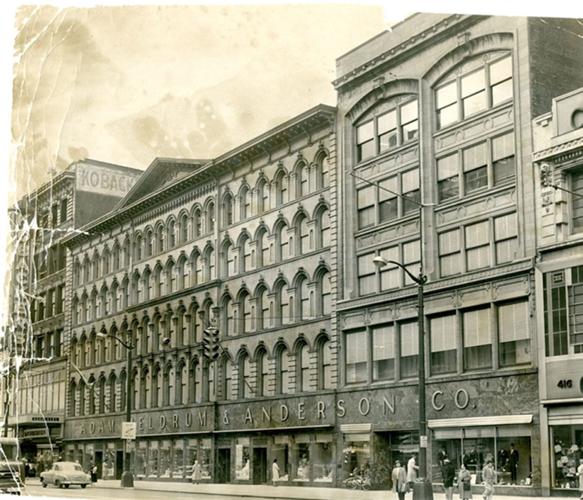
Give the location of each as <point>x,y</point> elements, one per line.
<point>36,382</point>
<point>558,161</point>
<point>242,242</point>
<point>438,112</point>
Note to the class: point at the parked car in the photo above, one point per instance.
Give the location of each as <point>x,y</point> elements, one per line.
<point>11,468</point>
<point>64,474</point>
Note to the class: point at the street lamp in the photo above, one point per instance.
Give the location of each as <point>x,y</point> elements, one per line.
<point>127,478</point>
<point>422,489</point>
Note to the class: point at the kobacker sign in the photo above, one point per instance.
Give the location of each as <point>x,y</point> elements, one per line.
<point>103,180</point>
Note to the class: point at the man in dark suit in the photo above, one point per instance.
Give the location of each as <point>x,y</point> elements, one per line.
<point>448,478</point>
<point>513,463</point>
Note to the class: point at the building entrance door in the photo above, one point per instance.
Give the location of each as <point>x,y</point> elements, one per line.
<point>118,464</point>
<point>224,465</point>
<point>99,463</point>
<point>259,465</point>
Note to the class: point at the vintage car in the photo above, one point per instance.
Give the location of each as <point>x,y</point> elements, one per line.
<point>64,474</point>
<point>11,468</point>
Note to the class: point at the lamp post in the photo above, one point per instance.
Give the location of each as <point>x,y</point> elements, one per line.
<point>127,478</point>
<point>422,489</point>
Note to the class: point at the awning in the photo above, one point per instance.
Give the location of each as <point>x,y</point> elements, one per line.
<point>480,421</point>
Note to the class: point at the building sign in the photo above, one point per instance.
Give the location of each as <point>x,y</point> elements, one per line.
<point>564,380</point>
<point>102,180</point>
<point>128,430</point>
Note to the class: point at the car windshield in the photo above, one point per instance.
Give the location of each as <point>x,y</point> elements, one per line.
<point>75,467</point>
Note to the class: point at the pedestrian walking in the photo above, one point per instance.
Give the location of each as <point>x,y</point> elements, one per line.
<point>489,478</point>
<point>412,469</point>
<point>196,472</point>
<point>448,478</point>
<point>580,476</point>
<point>465,483</point>
<point>93,472</point>
<point>275,472</point>
<point>399,477</point>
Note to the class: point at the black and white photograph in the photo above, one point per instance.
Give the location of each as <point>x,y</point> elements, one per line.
<point>292,251</point>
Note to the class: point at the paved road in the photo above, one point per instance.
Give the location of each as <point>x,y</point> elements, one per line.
<point>37,491</point>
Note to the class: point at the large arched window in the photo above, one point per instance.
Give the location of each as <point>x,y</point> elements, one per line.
<point>323,293</point>
<point>262,367</point>
<point>115,252</point>
<point>197,223</point>
<point>283,315</point>
<point>324,365</point>
<point>72,398</point>
<point>228,316</point>
<point>262,196</point>
<point>96,265</point>
<point>303,302</point>
<point>229,259</point>
<point>227,378</point>
<point>171,233</point>
<point>93,305</point>
<point>282,374</point>
<point>195,268</point>
<point>195,381</point>
<point>209,264</point>
<point>170,276</point>
<point>86,270</point>
<point>244,382</point>
<point>158,280</point>
<point>183,228</point>
<point>263,256</point>
<point>159,238</point>
<point>282,242</point>
<point>136,288</point>
<point>263,309</point>
<point>245,202</point>
<point>303,368</point>
<point>323,223</point>
<point>114,297</point>
<point>303,235</point>
<point>281,188</point>
<point>111,407</point>
<point>104,301</point>
<point>210,217</point>
<point>227,210</point>
<point>138,247</point>
<point>245,263</point>
<point>303,179</point>
<point>106,261</point>
<point>322,172</point>
<point>245,313</point>
<point>149,243</point>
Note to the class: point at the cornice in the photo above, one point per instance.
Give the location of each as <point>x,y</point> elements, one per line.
<point>562,153</point>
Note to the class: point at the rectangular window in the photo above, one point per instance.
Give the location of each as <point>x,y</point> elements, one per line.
<point>577,199</point>
<point>366,200</point>
<point>503,161</point>
<point>410,189</point>
<point>365,143</point>
<point>477,246</point>
<point>555,304</point>
<point>356,357</point>
<point>447,177</point>
<point>505,238</point>
<point>383,352</point>
<point>450,253</point>
<point>387,130</point>
<point>443,344</point>
<point>408,338</point>
<point>410,121</point>
<point>63,210</point>
<point>501,80</point>
<point>513,331</point>
<point>477,339</point>
<point>475,168</point>
<point>575,292</point>
<point>447,104</point>
<point>411,259</point>
<point>366,274</point>
<point>473,92</point>
<point>388,202</point>
<point>390,274</point>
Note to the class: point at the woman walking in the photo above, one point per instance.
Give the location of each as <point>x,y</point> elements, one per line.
<point>464,480</point>
<point>196,472</point>
<point>275,472</point>
<point>489,478</point>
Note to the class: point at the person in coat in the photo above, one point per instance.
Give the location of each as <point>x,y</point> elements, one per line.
<point>399,477</point>
<point>411,471</point>
<point>513,463</point>
<point>196,472</point>
<point>580,476</point>
<point>448,478</point>
<point>489,478</point>
<point>275,472</point>
<point>464,480</point>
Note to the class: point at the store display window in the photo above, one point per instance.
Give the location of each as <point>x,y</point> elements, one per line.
<point>205,458</point>
<point>178,468</point>
<point>242,459</point>
<point>141,459</point>
<point>567,443</point>
<point>153,457</point>
<point>356,454</point>
<point>301,451</point>
<point>280,450</point>
<point>164,458</point>
<point>191,455</point>
<point>324,458</point>
<point>508,447</point>
<point>108,467</point>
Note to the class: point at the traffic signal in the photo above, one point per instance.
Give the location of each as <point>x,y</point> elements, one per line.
<point>210,343</point>
<point>546,175</point>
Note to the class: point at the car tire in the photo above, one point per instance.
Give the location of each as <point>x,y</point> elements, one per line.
<point>67,485</point>
<point>83,486</point>
<point>58,483</point>
<point>43,483</point>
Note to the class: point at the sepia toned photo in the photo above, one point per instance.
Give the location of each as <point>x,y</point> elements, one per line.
<point>312,251</point>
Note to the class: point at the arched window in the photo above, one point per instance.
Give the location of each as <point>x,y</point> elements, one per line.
<point>210,217</point>
<point>324,294</point>
<point>245,202</point>
<point>149,243</point>
<point>227,210</point>
<point>263,310</point>
<point>244,377</point>
<point>227,378</point>
<point>137,247</point>
<point>303,175</point>
<point>136,295</point>
<point>182,272</point>
<point>86,270</point>
<point>323,221</point>
<point>95,264</point>
<point>104,301</point>
<point>156,395</point>
<point>122,390</point>
<point>111,407</point>
<point>263,382</point>
<point>106,259</point>
<point>195,377</point>
<point>228,316</point>
<point>158,281</point>
<point>262,197</point>
<point>171,233</point>
<point>196,277</point>
<point>83,352</point>
<point>170,277</point>
<point>181,396</point>
<point>245,263</point>
<point>168,385</point>
<point>284,309</point>
<point>282,382</point>
<point>183,230</point>
<point>136,388</point>
<point>115,257</point>
<point>126,249</point>
<point>159,238</point>
<point>303,368</point>
<point>281,188</point>
<point>90,393</point>
<point>93,305</point>
<point>245,313</point>
<point>229,259</point>
<point>282,242</point>
<point>145,385</point>
<point>101,395</point>
<point>82,398</point>
<point>125,292</point>
<point>209,264</point>
<point>303,303</point>
<point>72,398</point>
<point>197,223</point>
<point>322,172</point>
<point>263,257</point>
<point>114,297</point>
<point>76,273</point>
<point>76,310</point>
<point>324,365</point>
<point>303,235</point>
<point>180,333</point>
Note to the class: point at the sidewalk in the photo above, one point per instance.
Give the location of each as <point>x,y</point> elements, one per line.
<point>266,491</point>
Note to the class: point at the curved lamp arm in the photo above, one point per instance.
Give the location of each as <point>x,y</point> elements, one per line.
<point>381,262</point>
<point>102,335</point>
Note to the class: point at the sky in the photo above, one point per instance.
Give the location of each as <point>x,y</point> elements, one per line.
<point>128,84</point>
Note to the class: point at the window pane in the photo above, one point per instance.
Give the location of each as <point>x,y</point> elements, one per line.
<point>447,167</point>
<point>410,180</point>
<point>447,115</point>
<point>409,349</point>
<point>446,95</point>
<point>356,357</point>
<point>387,122</point>
<point>476,179</point>
<point>477,339</point>
<point>505,227</point>
<point>388,140</point>
<point>503,146</point>
<point>383,353</point>
<point>390,274</point>
<point>577,200</point>
<point>501,70</point>
<point>514,333</point>
<point>443,344</point>
<point>473,83</point>
<point>474,103</point>
<point>477,234</point>
<point>449,242</point>
<point>475,157</point>
<point>501,92</point>
<point>365,132</point>
<point>409,112</point>
<point>366,196</point>
<point>387,188</point>
<point>504,170</point>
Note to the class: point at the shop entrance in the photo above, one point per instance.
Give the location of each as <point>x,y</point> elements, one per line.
<point>118,464</point>
<point>259,465</point>
<point>223,465</point>
<point>99,463</point>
